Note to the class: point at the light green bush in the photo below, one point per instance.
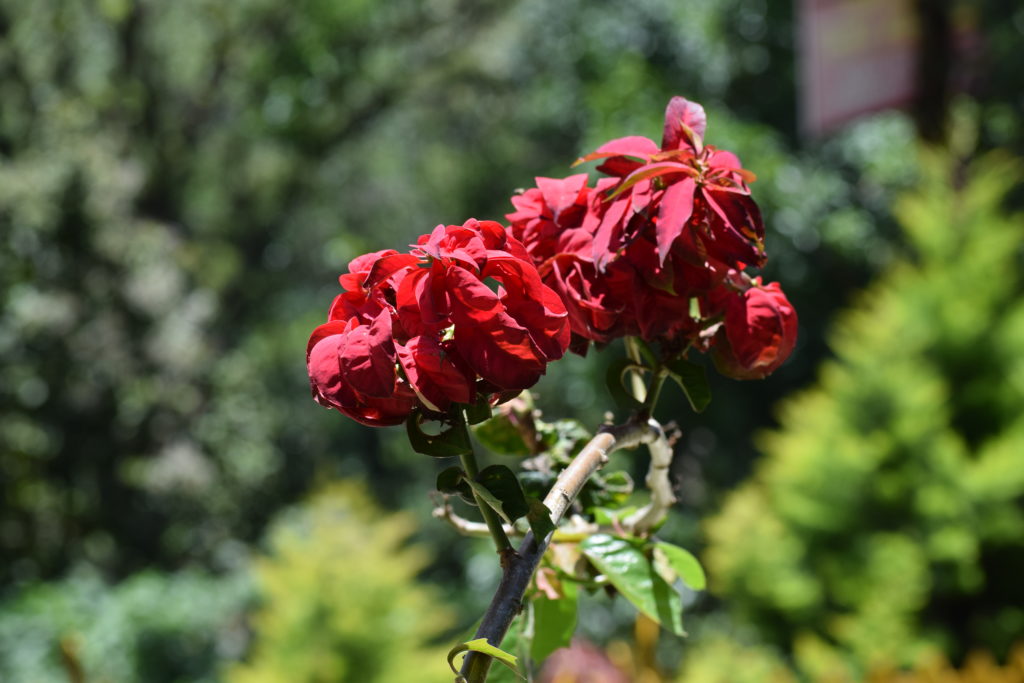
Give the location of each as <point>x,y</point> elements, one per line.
<point>885,522</point>
<point>340,601</point>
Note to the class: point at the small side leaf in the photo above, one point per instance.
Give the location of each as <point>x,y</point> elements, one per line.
<point>478,412</point>
<point>451,480</point>
<point>498,487</point>
<point>684,564</point>
<point>449,442</point>
<point>694,382</point>
<point>554,622</point>
<point>483,647</point>
<point>629,570</point>
<point>616,378</point>
<point>498,434</point>
<point>539,518</point>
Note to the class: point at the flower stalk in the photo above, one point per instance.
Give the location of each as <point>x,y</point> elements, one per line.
<point>507,601</point>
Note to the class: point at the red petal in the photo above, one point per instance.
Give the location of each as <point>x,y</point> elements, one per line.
<point>387,266</point>
<point>368,359</point>
<point>561,193</point>
<point>608,232</point>
<point>676,209</point>
<point>438,374</point>
<point>633,146</point>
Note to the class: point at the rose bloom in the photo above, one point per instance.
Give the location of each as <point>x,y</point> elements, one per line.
<point>425,329</point>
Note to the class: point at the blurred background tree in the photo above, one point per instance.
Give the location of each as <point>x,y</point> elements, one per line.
<point>180,184</point>
<point>885,523</point>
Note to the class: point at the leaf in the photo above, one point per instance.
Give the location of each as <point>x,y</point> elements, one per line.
<point>606,516</point>
<point>615,378</point>
<point>478,412</point>
<point>651,171</point>
<point>482,646</point>
<point>633,146</point>
<point>539,518</point>
<point>554,621</point>
<point>498,487</point>
<point>684,564</point>
<point>629,570</point>
<point>499,435</point>
<point>451,480</point>
<point>449,442</point>
<point>693,380</point>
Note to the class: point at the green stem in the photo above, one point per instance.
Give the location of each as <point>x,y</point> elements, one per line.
<point>468,459</point>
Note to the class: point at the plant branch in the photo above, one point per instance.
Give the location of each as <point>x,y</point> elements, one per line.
<point>577,531</point>
<point>467,527</point>
<point>662,496</point>
<point>507,601</point>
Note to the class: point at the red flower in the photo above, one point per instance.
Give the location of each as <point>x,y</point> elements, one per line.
<point>351,369</point>
<point>758,334</point>
<point>681,186</point>
<point>420,328</point>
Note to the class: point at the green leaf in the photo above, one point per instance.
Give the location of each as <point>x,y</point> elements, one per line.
<point>629,570</point>
<point>693,380</point>
<point>498,487</point>
<point>604,516</point>
<point>478,412</point>
<point>452,480</point>
<point>499,435</point>
<point>539,518</point>
<point>554,621</point>
<point>482,646</point>
<point>449,442</point>
<point>616,377</point>
<point>684,564</point>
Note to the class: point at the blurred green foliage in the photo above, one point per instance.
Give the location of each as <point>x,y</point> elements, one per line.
<point>181,182</point>
<point>338,601</point>
<point>151,628</point>
<point>885,523</point>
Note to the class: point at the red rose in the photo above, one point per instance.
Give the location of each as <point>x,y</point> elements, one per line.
<point>422,327</point>
<point>758,334</point>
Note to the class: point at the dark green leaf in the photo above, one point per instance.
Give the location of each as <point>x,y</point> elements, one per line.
<point>452,480</point>
<point>499,435</point>
<point>482,646</point>
<point>478,412</point>
<point>498,487</point>
<point>684,564</point>
<point>452,441</point>
<point>554,622</point>
<point>539,518</point>
<point>629,570</point>
<point>616,378</point>
<point>693,381</point>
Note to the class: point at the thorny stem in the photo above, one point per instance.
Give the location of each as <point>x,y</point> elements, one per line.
<point>507,601</point>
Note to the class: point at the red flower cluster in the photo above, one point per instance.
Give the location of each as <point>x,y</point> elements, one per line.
<point>654,249</point>
<point>424,328</point>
